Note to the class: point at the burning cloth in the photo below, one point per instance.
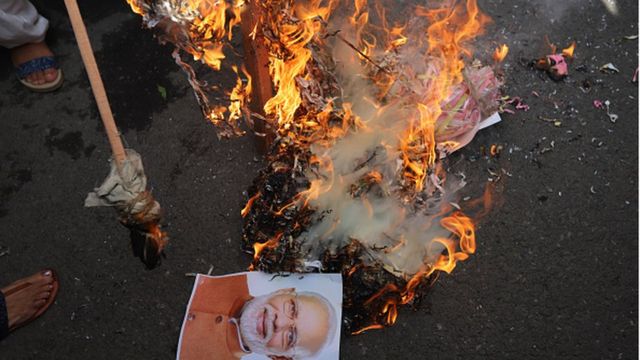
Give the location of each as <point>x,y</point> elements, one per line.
<point>125,189</point>
<point>259,316</point>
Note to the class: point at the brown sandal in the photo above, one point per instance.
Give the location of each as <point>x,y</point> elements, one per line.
<point>44,307</point>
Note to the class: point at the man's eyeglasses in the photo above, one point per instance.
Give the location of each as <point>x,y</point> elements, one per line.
<point>291,311</point>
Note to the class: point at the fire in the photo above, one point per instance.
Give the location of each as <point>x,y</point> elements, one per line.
<point>259,247</point>
<point>157,237</point>
<point>447,45</point>
<point>367,328</point>
<point>359,20</point>
<point>568,52</point>
<point>494,150</point>
<point>239,96</point>
<point>396,38</point>
<point>447,35</point>
<point>201,29</point>
<point>136,6</point>
<point>370,156</point>
<point>288,62</point>
<point>457,248</point>
<point>500,53</point>
<point>247,207</point>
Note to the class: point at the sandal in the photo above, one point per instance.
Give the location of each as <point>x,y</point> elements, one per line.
<point>42,309</point>
<point>40,64</point>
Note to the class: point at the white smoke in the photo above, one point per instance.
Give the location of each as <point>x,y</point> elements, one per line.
<point>379,218</point>
<point>556,10</point>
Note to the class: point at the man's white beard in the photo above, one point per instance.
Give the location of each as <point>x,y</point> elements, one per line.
<point>252,310</point>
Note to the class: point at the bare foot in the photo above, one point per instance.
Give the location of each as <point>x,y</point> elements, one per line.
<point>27,52</point>
<point>25,300</point>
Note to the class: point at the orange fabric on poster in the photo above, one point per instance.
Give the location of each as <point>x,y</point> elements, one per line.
<point>208,333</point>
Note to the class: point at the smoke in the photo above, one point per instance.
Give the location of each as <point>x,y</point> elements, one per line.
<point>611,6</point>
<point>375,213</point>
<point>556,10</point>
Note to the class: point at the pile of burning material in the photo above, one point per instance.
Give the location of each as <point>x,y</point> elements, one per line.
<point>364,113</point>
<point>201,30</point>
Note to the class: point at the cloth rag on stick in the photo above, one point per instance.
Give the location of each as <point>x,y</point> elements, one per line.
<point>125,187</point>
<point>125,190</point>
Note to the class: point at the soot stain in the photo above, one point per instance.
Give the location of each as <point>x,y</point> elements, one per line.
<point>89,150</point>
<point>12,183</point>
<point>70,143</point>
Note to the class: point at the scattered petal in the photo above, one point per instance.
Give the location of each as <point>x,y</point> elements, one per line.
<point>598,104</point>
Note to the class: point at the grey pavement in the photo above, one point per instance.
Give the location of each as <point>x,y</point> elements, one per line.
<point>556,271</point>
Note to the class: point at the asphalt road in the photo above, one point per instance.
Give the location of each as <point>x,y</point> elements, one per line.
<point>556,271</point>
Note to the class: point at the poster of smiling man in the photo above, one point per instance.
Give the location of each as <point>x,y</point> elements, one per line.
<point>254,316</point>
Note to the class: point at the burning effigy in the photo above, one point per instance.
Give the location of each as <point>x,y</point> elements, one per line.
<point>361,103</point>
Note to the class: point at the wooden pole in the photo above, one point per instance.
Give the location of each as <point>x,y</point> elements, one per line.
<point>96,82</point>
<point>256,59</point>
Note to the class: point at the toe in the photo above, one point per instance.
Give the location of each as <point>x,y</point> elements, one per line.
<point>42,289</point>
<point>43,295</point>
<point>40,282</point>
<point>39,78</point>
<point>43,278</point>
<point>47,277</point>
<point>31,78</point>
<point>39,303</point>
<point>50,75</point>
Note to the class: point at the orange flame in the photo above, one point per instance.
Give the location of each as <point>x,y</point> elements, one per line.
<point>201,28</point>
<point>271,243</point>
<point>289,63</point>
<point>568,52</point>
<point>370,327</point>
<point>239,96</point>
<point>458,247</point>
<point>447,35</point>
<point>249,204</point>
<point>500,53</point>
<point>136,6</point>
<point>463,237</point>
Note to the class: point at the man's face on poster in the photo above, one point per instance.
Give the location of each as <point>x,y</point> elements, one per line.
<point>286,324</point>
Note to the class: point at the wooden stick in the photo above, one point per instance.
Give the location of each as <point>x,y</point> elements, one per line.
<point>96,82</point>
<point>256,59</point>
<point>349,44</point>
